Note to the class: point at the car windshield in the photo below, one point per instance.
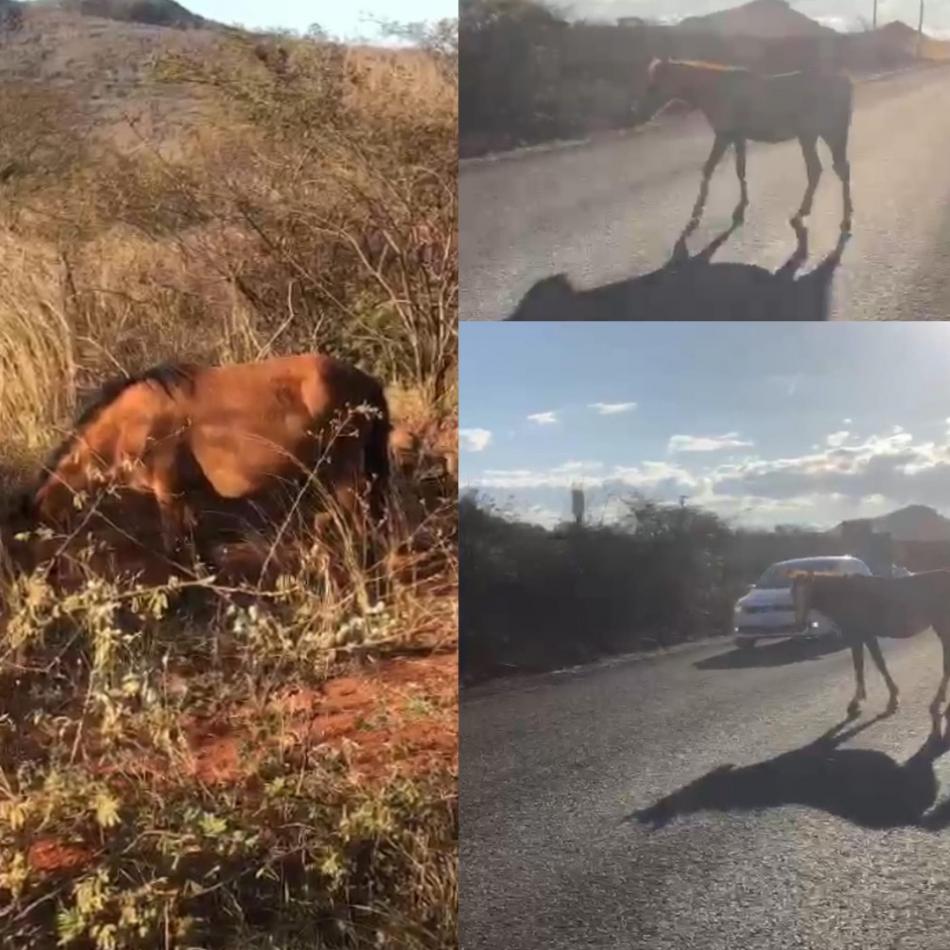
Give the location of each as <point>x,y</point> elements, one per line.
<point>779,576</point>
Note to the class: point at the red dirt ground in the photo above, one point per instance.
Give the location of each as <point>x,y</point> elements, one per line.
<point>396,718</point>
<point>50,855</point>
<point>399,717</point>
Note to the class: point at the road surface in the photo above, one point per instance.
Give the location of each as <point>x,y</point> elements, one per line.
<point>606,216</point>
<point>593,815</point>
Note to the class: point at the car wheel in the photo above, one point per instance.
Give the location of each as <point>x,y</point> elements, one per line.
<point>745,643</point>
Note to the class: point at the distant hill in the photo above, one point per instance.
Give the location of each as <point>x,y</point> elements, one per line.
<point>913,523</point>
<point>899,39</point>
<point>99,54</point>
<point>761,19</point>
<point>153,12</point>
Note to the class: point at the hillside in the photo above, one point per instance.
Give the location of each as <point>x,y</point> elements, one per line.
<point>100,69</point>
<point>152,12</point>
<point>900,40</point>
<point>913,523</point>
<point>761,19</point>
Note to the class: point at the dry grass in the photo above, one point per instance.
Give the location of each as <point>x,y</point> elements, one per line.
<point>212,761</point>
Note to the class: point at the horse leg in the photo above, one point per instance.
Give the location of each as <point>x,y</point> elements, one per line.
<point>857,657</point>
<point>719,146</point>
<point>813,167</point>
<point>941,696</point>
<point>175,518</point>
<point>738,216</point>
<point>874,648</point>
<point>839,152</point>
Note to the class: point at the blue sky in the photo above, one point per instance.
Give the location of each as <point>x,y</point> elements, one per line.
<point>339,18</point>
<point>841,14</point>
<point>764,423</point>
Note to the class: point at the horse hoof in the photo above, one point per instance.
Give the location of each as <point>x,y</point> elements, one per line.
<point>854,709</point>
<point>892,706</point>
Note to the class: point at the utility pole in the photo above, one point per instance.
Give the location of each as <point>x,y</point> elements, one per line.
<point>920,31</point>
<point>874,19</point>
<point>577,505</point>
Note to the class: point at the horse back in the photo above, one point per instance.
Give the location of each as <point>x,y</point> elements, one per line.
<point>311,384</point>
<point>904,606</point>
<point>786,106</point>
<point>251,423</point>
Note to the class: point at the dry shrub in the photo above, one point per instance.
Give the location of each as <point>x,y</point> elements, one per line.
<point>313,209</point>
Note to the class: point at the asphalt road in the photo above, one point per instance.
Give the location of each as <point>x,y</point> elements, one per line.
<point>606,216</point>
<point>593,814</point>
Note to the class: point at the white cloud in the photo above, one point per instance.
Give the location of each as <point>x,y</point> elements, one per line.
<point>843,24</point>
<point>889,465</point>
<point>706,443</point>
<point>512,475</point>
<point>537,514</point>
<point>543,418</point>
<point>573,466</point>
<point>847,422</point>
<point>646,477</point>
<point>837,439</point>
<point>822,486</point>
<point>474,440</point>
<point>612,408</point>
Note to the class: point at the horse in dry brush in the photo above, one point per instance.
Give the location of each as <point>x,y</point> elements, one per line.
<point>184,436</point>
<point>865,608</point>
<point>741,105</point>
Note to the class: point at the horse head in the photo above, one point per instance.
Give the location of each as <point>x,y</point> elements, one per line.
<point>17,517</point>
<point>658,93</point>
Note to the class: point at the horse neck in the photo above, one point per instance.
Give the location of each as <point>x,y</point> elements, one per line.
<point>818,597</point>
<point>696,85</point>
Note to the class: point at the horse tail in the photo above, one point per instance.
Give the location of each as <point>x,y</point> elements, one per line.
<point>376,455</point>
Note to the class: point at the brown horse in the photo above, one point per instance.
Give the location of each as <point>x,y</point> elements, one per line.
<point>182,434</point>
<point>865,608</point>
<point>741,105</point>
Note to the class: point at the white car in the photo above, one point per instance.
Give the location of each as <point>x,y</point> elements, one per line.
<point>766,612</point>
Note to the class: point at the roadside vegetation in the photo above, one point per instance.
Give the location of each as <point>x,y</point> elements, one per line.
<point>540,599</point>
<point>217,762</point>
<point>531,74</point>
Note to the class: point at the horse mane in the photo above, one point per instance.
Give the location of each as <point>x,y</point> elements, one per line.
<point>707,65</point>
<point>170,376</point>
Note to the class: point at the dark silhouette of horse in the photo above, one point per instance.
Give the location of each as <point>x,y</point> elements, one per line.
<point>695,288</point>
<point>865,608</point>
<point>862,786</point>
<point>182,436</point>
<point>741,105</point>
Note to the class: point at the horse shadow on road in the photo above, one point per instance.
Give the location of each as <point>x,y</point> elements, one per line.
<point>862,786</point>
<point>694,288</point>
<point>783,653</point>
